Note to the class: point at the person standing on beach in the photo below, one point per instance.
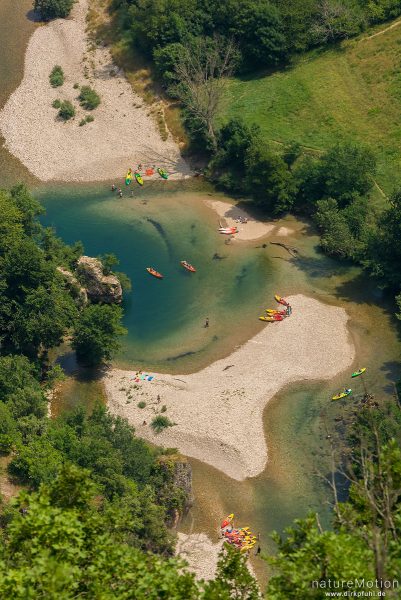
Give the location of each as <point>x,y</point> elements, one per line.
<point>207,322</point>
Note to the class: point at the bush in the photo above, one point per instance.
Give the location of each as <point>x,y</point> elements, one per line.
<point>88,98</point>
<point>53,9</point>
<point>76,86</point>
<point>159,423</point>
<point>82,122</point>
<point>89,119</point>
<point>141,404</point>
<point>66,111</point>
<point>56,77</point>
<point>56,103</point>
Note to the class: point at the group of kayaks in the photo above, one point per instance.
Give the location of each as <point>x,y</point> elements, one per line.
<point>228,230</point>
<point>348,391</point>
<point>138,176</point>
<point>274,314</point>
<point>183,263</point>
<point>241,538</point>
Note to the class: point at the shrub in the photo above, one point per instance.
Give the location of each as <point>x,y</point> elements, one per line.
<point>56,104</point>
<point>88,98</point>
<point>53,9</point>
<point>89,119</point>
<point>141,404</point>
<point>56,77</point>
<point>76,86</point>
<point>66,111</point>
<point>160,422</point>
<point>82,122</point>
<point>163,408</point>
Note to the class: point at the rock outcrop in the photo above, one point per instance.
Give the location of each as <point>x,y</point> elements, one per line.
<point>99,287</point>
<point>183,479</point>
<point>78,292</point>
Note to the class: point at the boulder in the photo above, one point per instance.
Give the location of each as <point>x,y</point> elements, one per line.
<point>99,287</point>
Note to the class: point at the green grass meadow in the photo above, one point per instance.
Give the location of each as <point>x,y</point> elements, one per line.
<point>352,92</point>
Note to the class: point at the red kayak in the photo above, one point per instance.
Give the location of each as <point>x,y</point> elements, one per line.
<point>188,266</point>
<point>277,317</point>
<point>154,273</point>
<point>281,300</point>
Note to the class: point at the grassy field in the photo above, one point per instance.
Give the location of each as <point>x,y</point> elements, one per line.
<point>353,92</point>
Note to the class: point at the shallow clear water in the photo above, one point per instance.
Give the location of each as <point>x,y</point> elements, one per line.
<point>165,318</point>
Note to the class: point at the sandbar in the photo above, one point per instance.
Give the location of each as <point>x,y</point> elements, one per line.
<point>218,411</point>
<point>123,133</point>
<point>249,228</point>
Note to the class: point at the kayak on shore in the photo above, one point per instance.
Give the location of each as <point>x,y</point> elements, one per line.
<point>272,318</point>
<point>343,394</point>
<point>188,266</point>
<point>228,230</point>
<point>154,273</point>
<point>138,178</point>
<point>128,177</point>
<point>163,174</point>
<point>281,300</point>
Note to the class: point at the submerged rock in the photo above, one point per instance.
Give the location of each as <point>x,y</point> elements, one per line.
<point>99,287</point>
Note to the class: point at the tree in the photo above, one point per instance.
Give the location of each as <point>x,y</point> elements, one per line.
<point>200,70</point>
<point>53,9</point>
<point>257,29</point>
<point>19,387</point>
<point>343,173</point>
<point>60,543</point>
<point>95,336</point>
<point>233,579</point>
<point>384,248</point>
<point>269,179</point>
<point>336,19</point>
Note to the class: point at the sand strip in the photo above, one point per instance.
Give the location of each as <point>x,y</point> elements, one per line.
<point>218,411</point>
<point>122,135</point>
<point>231,215</point>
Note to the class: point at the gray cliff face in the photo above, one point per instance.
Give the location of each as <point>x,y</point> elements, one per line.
<point>78,292</point>
<point>99,287</point>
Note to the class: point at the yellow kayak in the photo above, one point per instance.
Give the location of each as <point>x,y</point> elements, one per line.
<point>138,178</point>
<point>359,372</point>
<point>268,319</point>
<point>128,177</point>
<point>342,394</point>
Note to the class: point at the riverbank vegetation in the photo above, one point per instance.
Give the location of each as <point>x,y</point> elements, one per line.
<point>53,9</point>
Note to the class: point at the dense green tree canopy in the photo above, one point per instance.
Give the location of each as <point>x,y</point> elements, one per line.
<point>53,9</point>
<point>95,336</point>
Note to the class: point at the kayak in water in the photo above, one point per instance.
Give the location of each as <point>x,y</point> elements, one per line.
<point>138,178</point>
<point>128,177</point>
<point>343,394</point>
<point>359,372</point>
<point>281,300</point>
<point>188,266</point>
<point>154,273</point>
<point>163,174</point>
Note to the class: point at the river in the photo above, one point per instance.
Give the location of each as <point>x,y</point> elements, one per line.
<point>167,222</point>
